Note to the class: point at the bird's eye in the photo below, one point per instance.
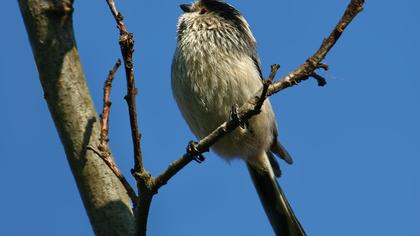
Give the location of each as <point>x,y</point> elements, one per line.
<point>203,11</point>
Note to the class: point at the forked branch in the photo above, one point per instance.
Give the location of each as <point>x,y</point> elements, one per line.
<point>103,149</point>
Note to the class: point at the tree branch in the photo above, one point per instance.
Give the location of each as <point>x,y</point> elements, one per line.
<point>127,49</point>
<point>50,29</point>
<point>104,140</point>
<point>144,179</point>
<point>103,147</point>
<point>314,62</point>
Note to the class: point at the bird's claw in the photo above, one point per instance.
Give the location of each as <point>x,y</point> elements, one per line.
<point>234,116</point>
<point>194,153</point>
<point>323,66</point>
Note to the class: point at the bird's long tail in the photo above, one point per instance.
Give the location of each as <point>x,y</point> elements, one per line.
<point>276,206</point>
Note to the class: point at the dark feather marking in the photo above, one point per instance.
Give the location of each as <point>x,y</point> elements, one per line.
<point>230,14</point>
<point>227,12</point>
<point>181,28</point>
<point>257,65</point>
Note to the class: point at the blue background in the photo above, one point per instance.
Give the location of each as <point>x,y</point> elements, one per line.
<point>355,142</point>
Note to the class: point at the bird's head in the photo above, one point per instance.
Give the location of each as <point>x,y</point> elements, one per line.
<point>204,15</point>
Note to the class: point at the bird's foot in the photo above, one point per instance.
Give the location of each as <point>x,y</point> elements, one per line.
<point>234,116</point>
<point>194,153</point>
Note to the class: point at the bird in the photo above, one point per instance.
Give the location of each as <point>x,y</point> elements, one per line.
<point>216,68</point>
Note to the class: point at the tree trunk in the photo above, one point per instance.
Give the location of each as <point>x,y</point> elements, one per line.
<point>50,30</point>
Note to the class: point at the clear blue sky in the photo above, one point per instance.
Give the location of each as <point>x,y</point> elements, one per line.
<point>355,142</point>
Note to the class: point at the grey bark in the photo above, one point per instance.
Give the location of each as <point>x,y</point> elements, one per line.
<point>50,30</point>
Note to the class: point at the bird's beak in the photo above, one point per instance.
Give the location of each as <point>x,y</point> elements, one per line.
<point>186,7</point>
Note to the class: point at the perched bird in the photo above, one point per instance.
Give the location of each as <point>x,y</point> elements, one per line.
<point>216,67</point>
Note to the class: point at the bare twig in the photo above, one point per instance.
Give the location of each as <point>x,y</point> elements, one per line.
<point>314,62</point>
<point>144,179</point>
<point>248,110</point>
<point>103,148</point>
<point>266,85</point>
<point>107,105</point>
<point>127,43</point>
<point>127,49</point>
<point>117,16</point>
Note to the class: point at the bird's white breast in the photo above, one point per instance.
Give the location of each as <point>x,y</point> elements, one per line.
<point>207,81</point>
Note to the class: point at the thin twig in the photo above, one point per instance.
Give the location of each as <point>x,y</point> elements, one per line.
<point>126,42</point>
<point>306,70</point>
<point>104,139</point>
<point>143,178</point>
<point>103,148</point>
<point>245,112</point>
<point>117,15</point>
<point>266,85</point>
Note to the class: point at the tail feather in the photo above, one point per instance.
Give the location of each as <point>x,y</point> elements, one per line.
<point>281,152</point>
<point>274,164</point>
<point>276,206</point>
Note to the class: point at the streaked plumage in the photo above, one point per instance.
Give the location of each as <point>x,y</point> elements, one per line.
<point>216,67</point>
